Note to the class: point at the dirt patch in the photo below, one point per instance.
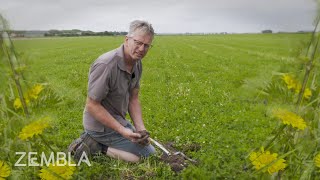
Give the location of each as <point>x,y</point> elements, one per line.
<point>178,162</point>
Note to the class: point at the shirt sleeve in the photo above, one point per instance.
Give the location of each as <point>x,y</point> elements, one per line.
<point>98,83</point>
<point>137,86</point>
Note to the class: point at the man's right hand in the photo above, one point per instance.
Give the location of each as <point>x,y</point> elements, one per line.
<point>129,134</point>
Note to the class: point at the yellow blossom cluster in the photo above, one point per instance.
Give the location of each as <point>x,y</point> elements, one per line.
<point>317,160</point>
<point>290,118</point>
<point>17,104</point>
<point>293,84</point>
<point>5,170</point>
<point>32,94</point>
<point>57,171</point>
<point>34,128</point>
<point>263,158</point>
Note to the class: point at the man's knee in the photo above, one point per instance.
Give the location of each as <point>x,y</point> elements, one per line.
<point>147,151</point>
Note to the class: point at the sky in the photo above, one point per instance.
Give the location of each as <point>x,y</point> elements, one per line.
<point>166,16</point>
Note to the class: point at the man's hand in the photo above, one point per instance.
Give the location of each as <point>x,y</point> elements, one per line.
<point>127,133</point>
<point>144,140</point>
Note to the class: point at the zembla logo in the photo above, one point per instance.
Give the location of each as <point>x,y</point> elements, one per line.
<point>56,159</point>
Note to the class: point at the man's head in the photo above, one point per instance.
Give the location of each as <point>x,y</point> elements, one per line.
<point>138,40</point>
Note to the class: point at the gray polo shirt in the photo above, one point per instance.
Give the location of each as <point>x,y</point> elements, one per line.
<point>111,84</point>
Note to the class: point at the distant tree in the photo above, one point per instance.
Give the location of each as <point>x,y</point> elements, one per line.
<point>88,33</point>
<point>107,33</point>
<point>267,31</point>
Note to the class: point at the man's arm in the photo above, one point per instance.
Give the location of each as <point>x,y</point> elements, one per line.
<point>103,116</point>
<point>135,110</point>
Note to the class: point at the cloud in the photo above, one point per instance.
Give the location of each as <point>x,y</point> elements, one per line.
<point>166,16</point>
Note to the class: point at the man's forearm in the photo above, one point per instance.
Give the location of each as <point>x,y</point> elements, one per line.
<point>136,114</point>
<point>103,116</point>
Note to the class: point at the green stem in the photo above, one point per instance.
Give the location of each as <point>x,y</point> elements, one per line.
<point>46,143</point>
<point>278,134</point>
<point>310,63</point>
<point>12,58</point>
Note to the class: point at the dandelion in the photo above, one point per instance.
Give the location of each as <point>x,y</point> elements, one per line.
<point>35,128</point>
<point>290,118</point>
<point>17,103</point>
<point>307,93</point>
<point>296,86</point>
<point>317,160</point>
<point>34,92</point>
<point>5,170</point>
<point>59,170</point>
<point>263,159</point>
<point>290,81</point>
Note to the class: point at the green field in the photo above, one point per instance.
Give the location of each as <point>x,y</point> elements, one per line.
<point>195,90</point>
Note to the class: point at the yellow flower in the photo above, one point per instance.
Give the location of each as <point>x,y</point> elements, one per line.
<point>296,86</point>
<point>262,159</point>
<point>32,94</point>
<point>57,171</point>
<point>307,93</point>
<point>290,81</point>
<point>317,160</point>
<point>34,128</point>
<point>17,103</point>
<point>5,170</point>
<point>290,118</point>
<point>35,91</point>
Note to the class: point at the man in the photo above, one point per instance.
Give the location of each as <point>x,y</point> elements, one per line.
<point>113,89</point>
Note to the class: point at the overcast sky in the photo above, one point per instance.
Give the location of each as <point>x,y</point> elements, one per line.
<point>167,16</point>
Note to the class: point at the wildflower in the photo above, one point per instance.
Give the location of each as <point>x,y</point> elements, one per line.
<point>307,93</point>
<point>59,170</point>
<point>290,118</point>
<point>17,103</point>
<point>290,81</point>
<point>32,94</point>
<point>296,86</point>
<point>35,91</point>
<point>262,159</point>
<point>34,128</point>
<point>5,170</point>
<point>317,160</point>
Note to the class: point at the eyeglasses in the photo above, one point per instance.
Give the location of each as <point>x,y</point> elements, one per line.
<point>139,44</point>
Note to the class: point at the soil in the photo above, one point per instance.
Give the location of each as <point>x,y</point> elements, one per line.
<point>178,162</point>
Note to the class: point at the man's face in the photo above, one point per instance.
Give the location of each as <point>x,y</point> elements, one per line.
<point>138,45</point>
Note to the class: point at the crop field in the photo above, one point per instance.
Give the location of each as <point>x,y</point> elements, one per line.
<point>198,93</point>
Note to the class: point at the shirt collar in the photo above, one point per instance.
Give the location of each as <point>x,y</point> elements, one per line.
<point>121,61</point>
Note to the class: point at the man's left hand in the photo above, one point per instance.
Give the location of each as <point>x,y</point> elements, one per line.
<point>144,140</point>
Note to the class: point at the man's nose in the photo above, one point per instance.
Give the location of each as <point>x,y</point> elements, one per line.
<point>141,48</point>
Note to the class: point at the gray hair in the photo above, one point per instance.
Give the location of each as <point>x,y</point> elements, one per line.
<point>142,26</point>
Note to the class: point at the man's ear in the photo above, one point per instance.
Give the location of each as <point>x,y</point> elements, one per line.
<point>126,40</point>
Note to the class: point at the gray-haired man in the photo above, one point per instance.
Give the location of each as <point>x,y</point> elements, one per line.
<point>113,89</point>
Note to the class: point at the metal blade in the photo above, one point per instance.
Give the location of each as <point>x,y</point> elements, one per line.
<point>167,152</point>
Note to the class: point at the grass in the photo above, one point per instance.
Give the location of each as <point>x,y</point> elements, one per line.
<point>195,89</point>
